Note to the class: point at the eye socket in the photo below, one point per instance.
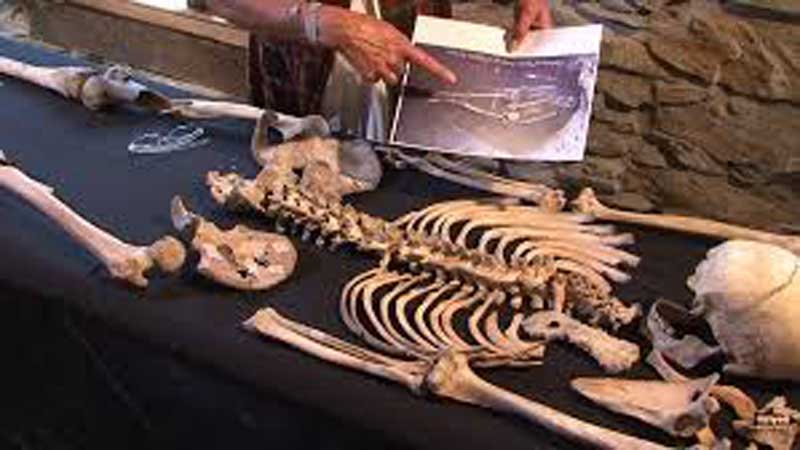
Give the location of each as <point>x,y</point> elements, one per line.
<point>262,260</point>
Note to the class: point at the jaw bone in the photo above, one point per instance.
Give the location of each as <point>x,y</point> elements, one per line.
<point>687,351</point>
<point>124,261</point>
<point>240,258</point>
<point>587,203</point>
<point>679,408</point>
<point>93,88</point>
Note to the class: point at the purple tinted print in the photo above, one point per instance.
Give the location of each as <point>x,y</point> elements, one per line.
<point>501,107</point>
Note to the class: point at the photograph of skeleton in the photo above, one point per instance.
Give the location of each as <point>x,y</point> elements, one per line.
<point>529,108</point>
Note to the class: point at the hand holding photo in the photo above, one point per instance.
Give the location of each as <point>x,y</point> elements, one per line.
<point>533,104</point>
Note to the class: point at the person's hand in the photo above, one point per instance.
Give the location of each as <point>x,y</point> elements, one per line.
<point>529,14</point>
<point>376,49</point>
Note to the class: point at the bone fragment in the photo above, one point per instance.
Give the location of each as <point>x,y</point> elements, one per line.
<point>587,203</point>
<point>269,323</point>
<point>352,167</point>
<point>240,258</point>
<point>448,376</point>
<point>189,108</point>
<point>93,88</point>
<point>662,367</point>
<point>732,396</point>
<point>687,352</point>
<point>613,354</point>
<point>775,425</point>
<point>679,408</point>
<point>122,260</point>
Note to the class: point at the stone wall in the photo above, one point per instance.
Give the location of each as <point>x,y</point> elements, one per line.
<point>697,109</point>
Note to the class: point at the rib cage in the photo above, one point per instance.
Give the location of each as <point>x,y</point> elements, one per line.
<point>460,274</point>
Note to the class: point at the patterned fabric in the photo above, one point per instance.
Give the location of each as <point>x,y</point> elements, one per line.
<point>291,77</point>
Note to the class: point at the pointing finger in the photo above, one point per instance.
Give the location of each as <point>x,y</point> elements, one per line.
<point>429,63</point>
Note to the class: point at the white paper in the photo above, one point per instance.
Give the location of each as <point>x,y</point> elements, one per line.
<point>533,104</point>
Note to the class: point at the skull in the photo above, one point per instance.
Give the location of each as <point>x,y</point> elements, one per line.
<point>749,293</point>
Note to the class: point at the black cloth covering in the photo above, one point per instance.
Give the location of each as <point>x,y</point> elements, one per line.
<point>83,154</point>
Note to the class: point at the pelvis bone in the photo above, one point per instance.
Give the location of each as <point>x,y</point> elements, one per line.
<point>679,408</point>
<point>352,165</point>
<point>124,261</point>
<point>93,88</point>
<point>240,258</point>
<point>749,292</point>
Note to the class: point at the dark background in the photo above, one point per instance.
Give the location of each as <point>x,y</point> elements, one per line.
<point>90,363</point>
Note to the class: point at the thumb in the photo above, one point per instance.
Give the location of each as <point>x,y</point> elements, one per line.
<point>521,28</point>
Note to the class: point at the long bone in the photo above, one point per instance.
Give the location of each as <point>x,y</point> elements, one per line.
<point>550,199</point>
<point>93,88</point>
<point>613,354</point>
<point>122,260</point>
<point>587,203</point>
<point>449,376</point>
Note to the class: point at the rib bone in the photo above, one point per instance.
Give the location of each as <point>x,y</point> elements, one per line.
<point>240,258</point>
<point>447,376</point>
<point>587,203</point>
<point>122,260</point>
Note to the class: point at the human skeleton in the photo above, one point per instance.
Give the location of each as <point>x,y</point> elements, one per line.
<point>479,282</point>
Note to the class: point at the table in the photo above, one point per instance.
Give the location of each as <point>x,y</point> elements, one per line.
<point>83,154</point>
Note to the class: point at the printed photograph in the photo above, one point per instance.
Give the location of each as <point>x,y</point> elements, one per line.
<point>533,108</point>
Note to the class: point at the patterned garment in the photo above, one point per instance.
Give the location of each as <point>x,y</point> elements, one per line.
<point>291,77</point>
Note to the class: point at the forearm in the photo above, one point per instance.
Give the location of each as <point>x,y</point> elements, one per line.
<point>278,20</point>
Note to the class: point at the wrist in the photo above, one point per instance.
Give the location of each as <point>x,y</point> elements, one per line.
<point>331,26</point>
